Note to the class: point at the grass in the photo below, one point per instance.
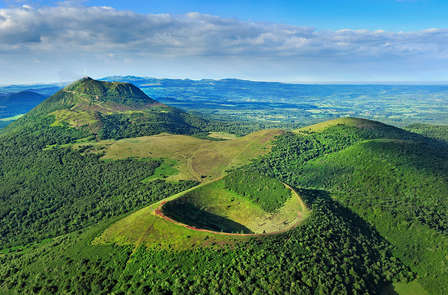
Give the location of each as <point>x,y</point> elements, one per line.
<point>197,159</point>
<point>13,118</point>
<point>215,199</point>
<point>348,121</point>
<point>222,135</point>
<point>73,118</point>
<point>165,170</point>
<point>144,227</point>
<point>412,288</point>
<point>403,288</point>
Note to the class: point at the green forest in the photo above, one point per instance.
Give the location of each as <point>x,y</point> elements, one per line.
<point>377,197</point>
<point>335,251</point>
<point>48,192</point>
<point>394,180</point>
<point>268,193</point>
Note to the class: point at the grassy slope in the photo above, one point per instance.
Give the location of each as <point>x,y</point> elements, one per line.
<point>222,135</point>
<point>144,227</point>
<point>412,288</point>
<point>195,157</point>
<point>73,118</point>
<point>215,199</point>
<point>351,122</point>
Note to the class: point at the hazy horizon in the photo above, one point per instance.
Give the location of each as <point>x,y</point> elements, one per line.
<point>391,83</point>
<point>349,41</point>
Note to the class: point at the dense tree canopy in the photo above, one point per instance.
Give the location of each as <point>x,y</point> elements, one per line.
<point>378,215</point>
<point>270,194</point>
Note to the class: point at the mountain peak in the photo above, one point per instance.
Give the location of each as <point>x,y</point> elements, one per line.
<point>108,110</point>
<point>95,91</point>
<point>83,102</point>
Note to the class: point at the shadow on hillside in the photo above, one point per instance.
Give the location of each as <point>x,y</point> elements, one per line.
<point>430,155</point>
<point>323,198</point>
<point>322,202</point>
<point>189,214</point>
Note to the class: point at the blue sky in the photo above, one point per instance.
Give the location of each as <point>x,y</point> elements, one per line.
<point>324,14</point>
<point>395,15</point>
<point>292,41</point>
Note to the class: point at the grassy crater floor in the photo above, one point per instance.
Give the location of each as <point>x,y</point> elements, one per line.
<point>213,207</point>
<point>213,216</point>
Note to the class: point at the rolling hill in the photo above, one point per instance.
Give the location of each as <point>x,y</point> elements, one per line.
<point>394,179</point>
<point>192,158</point>
<point>105,190</point>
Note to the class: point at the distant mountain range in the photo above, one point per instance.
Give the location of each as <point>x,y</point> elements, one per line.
<point>285,105</point>
<point>15,104</point>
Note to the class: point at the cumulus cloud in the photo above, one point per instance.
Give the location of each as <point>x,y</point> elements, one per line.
<point>72,32</point>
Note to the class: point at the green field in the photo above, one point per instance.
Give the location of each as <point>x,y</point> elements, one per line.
<point>197,159</point>
<point>412,288</point>
<point>403,288</point>
<point>221,135</point>
<point>165,170</point>
<point>348,121</point>
<point>74,118</point>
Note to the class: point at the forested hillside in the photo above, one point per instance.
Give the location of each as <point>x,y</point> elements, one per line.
<point>397,181</point>
<point>334,252</point>
<point>48,192</point>
<point>268,193</point>
<point>439,132</point>
<point>376,196</point>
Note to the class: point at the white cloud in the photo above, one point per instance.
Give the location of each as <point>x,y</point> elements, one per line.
<point>82,33</point>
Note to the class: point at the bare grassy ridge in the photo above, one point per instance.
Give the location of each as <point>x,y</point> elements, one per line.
<point>196,159</point>
<point>348,121</point>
